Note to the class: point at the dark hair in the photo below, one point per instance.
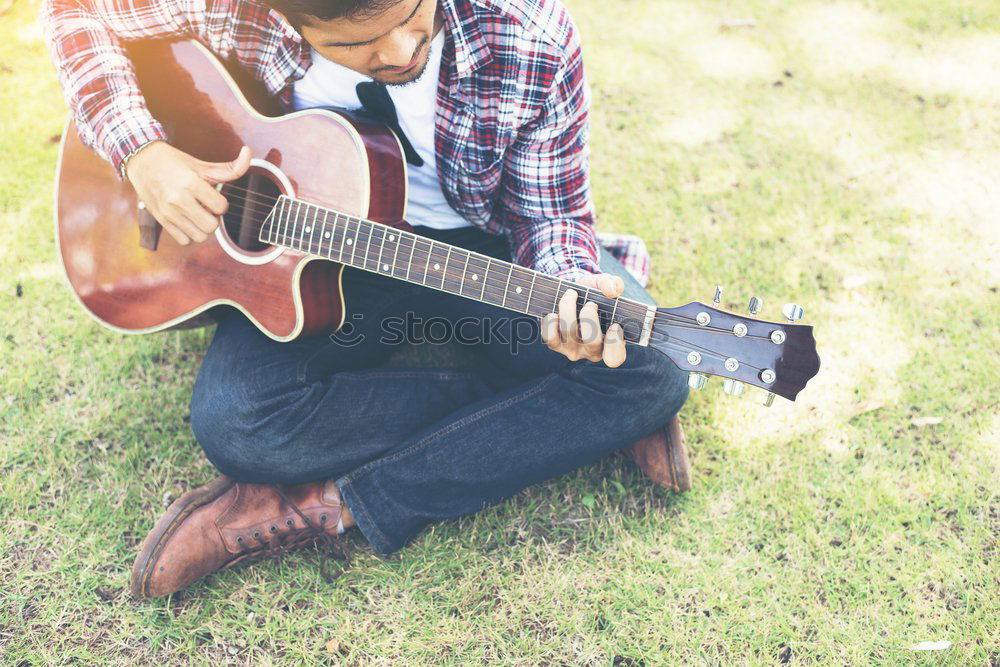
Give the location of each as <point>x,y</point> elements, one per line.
<point>299,12</point>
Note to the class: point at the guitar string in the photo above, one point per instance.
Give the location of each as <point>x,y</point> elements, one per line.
<point>659,318</point>
<point>659,337</point>
<point>365,233</point>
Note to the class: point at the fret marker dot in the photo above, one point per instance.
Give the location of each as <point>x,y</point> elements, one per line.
<point>308,229</point>
<point>350,241</point>
<point>385,267</point>
<point>327,235</point>
<point>391,237</point>
<point>437,266</point>
<point>475,277</point>
<point>517,289</point>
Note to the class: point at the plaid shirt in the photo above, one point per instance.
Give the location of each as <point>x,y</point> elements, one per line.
<point>512,119</point>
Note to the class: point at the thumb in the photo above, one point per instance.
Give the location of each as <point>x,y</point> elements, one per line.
<point>221,172</point>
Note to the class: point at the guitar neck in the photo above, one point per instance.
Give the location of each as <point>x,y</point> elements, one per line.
<point>412,258</point>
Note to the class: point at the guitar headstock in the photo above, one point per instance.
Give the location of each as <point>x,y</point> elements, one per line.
<point>780,358</point>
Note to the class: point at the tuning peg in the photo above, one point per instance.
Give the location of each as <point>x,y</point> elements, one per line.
<point>733,387</point>
<point>718,296</point>
<point>792,312</point>
<point>697,380</point>
<point>755,305</point>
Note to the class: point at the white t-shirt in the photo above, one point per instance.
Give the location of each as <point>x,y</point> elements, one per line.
<point>327,83</point>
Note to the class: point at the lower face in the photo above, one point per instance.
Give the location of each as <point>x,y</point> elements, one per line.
<point>398,76</point>
<point>392,47</point>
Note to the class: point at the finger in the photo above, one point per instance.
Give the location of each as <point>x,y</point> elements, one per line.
<point>211,198</point>
<point>590,331</point>
<point>611,286</point>
<point>567,318</point>
<point>221,172</point>
<point>614,346</point>
<point>550,331</point>
<point>177,234</point>
<point>203,220</point>
<point>177,217</point>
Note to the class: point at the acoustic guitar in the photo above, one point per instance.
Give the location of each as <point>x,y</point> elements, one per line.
<point>331,185</point>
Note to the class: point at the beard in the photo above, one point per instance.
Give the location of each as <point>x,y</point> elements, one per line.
<point>408,77</point>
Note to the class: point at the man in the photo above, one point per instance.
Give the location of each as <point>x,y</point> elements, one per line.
<point>312,436</point>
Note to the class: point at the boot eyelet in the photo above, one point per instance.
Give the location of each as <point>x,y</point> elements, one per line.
<point>322,518</point>
<point>289,522</point>
<point>256,534</point>
<point>274,529</point>
<point>239,539</point>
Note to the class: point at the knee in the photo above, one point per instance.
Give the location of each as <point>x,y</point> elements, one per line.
<point>655,391</point>
<point>223,424</point>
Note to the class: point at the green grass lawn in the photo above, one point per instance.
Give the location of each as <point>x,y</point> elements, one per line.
<point>845,156</point>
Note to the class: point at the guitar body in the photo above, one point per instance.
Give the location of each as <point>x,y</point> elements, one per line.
<point>139,285</point>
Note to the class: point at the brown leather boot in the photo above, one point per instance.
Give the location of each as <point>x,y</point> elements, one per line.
<point>224,523</point>
<point>661,455</point>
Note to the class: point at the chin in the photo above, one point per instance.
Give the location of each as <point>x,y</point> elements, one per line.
<point>403,78</point>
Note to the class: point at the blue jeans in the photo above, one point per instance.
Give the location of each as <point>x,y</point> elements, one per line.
<point>410,446</point>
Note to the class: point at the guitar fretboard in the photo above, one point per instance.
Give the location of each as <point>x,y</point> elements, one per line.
<point>406,256</point>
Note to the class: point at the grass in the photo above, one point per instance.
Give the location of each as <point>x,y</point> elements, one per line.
<point>842,155</point>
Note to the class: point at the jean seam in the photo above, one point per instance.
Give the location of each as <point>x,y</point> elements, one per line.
<point>468,419</point>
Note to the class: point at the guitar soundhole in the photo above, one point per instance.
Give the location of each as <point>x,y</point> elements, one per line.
<point>251,199</point>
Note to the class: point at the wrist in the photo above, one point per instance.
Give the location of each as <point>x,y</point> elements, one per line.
<point>135,151</point>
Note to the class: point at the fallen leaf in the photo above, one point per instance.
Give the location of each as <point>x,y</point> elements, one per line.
<point>589,500</point>
<point>730,24</point>
<point>868,406</point>
<point>931,646</point>
<point>333,646</point>
<point>926,421</point>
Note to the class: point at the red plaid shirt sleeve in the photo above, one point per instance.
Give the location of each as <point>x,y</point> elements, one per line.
<point>86,39</point>
<point>97,78</point>
<point>546,193</point>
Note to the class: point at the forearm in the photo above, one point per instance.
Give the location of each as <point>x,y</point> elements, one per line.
<point>86,42</point>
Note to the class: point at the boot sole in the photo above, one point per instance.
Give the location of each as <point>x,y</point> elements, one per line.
<point>179,510</point>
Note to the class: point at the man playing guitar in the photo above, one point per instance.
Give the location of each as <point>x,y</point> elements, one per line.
<point>312,436</point>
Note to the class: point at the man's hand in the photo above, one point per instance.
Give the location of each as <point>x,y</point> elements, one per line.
<point>178,191</point>
<point>584,340</point>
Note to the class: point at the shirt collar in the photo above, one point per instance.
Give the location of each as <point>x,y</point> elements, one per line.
<point>462,24</point>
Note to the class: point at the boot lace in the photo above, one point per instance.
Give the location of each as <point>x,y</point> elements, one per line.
<point>274,544</point>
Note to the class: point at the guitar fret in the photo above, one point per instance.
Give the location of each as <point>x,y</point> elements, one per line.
<point>409,262</point>
<point>283,231</point>
<point>427,264</point>
<point>296,230</point>
<point>312,231</point>
<point>323,234</point>
<point>353,240</point>
<point>398,241</point>
<point>486,277</point>
<point>378,265</point>
<point>329,234</point>
<point>527,307</point>
<point>343,234</point>
<point>506,288</point>
<point>444,269</point>
<point>365,256</point>
<point>465,273</point>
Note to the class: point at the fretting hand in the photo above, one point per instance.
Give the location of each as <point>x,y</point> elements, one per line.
<point>177,189</point>
<point>584,339</point>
